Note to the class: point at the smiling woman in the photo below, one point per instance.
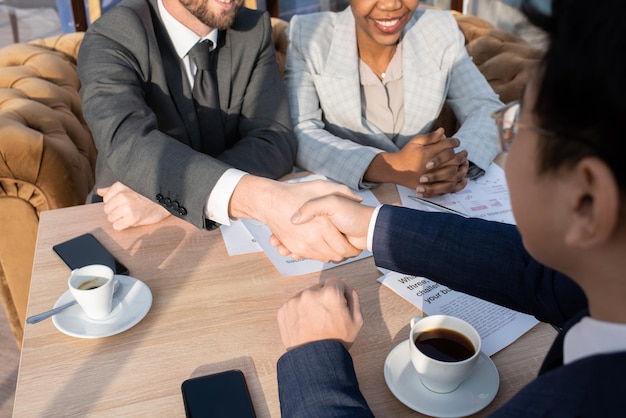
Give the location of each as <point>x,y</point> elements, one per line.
<point>366,86</point>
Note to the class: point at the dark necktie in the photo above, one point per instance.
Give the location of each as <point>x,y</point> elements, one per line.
<point>206,99</point>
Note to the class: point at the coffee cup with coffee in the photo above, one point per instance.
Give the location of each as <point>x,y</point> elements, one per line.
<point>92,287</point>
<point>444,351</point>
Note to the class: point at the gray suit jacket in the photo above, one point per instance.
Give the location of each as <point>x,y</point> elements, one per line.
<point>323,85</point>
<point>137,102</point>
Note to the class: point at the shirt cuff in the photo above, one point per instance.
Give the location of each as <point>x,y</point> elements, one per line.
<point>217,205</point>
<point>370,229</point>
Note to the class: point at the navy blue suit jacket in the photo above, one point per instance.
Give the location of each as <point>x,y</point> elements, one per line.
<point>487,260</point>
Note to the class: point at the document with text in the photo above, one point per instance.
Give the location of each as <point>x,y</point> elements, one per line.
<point>497,326</point>
<point>487,197</point>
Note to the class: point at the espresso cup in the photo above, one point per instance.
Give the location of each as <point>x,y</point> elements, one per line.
<point>444,351</point>
<point>92,287</point>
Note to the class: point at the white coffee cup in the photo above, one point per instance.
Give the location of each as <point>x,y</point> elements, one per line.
<point>92,287</point>
<point>449,350</point>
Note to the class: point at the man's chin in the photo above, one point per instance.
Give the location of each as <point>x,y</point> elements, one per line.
<point>225,19</point>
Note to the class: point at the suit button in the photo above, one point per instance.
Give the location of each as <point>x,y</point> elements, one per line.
<point>182,211</point>
<point>175,205</point>
<point>168,202</point>
<point>159,198</point>
<point>210,225</point>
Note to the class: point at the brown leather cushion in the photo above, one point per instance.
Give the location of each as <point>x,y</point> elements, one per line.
<point>47,154</point>
<point>505,60</point>
<point>279,36</point>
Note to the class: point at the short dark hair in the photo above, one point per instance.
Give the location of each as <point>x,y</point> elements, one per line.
<point>582,91</point>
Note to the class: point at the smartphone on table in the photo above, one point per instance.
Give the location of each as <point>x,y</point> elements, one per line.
<point>219,395</point>
<point>84,250</point>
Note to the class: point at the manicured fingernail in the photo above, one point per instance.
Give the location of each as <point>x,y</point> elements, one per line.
<point>430,165</point>
<point>420,191</point>
<point>295,218</point>
<point>423,179</point>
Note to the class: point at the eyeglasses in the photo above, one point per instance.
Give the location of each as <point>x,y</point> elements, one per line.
<point>508,124</point>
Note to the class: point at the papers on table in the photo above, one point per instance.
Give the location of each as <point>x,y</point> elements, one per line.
<point>246,236</point>
<point>497,326</point>
<point>486,197</point>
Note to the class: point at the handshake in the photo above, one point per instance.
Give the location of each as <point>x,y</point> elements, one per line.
<point>327,222</point>
<point>316,219</point>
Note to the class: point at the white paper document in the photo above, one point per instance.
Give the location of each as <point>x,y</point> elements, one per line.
<point>246,235</point>
<point>238,239</point>
<point>497,326</point>
<point>487,197</point>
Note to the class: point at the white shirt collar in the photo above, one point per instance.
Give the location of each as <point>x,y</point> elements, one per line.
<point>182,37</point>
<point>591,336</point>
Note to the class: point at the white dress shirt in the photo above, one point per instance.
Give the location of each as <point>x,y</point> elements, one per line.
<point>184,39</point>
<point>590,337</point>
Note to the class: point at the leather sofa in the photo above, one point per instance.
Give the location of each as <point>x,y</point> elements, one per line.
<point>47,154</point>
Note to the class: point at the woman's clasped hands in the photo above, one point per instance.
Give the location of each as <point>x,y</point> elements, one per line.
<point>428,164</point>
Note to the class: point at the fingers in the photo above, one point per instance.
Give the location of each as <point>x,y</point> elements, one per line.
<point>430,138</point>
<point>327,188</point>
<point>328,310</point>
<point>352,299</point>
<point>441,188</point>
<point>329,246</point>
<point>340,248</point>
<point>443,180</point>
<point>310,210</point>
<point>342,293</point>
<point>452,172</point>
<point>443,154</point>
<point>102,191</point>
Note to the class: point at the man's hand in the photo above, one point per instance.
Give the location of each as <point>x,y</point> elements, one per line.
<point>427,163</point>
<point>352,219</point>
<point>274,203</point>
<point>125,207</point>
<point>329,311</point>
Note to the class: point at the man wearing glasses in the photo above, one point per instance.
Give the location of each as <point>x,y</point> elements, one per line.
<point>563,262</point>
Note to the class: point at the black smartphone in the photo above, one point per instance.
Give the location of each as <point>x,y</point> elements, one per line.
<point>84,250</point>
<point>219,395</point>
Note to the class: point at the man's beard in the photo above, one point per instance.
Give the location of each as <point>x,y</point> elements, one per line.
<point>221,20</point>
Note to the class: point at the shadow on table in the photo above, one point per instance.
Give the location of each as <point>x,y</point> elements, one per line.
<point>93,385</point>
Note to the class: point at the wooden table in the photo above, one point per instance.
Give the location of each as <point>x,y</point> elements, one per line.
<point>210,312</point>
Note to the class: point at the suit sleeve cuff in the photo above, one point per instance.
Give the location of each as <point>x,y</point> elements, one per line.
<point>217,204</point>
<point>370,229</point>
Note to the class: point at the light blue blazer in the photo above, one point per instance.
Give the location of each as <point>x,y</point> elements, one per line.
<point>322,77</point>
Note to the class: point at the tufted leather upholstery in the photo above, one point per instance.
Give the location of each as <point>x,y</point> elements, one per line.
<point>47,155</point>
<point>505,60</point>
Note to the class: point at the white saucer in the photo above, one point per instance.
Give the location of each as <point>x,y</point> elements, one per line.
<point>130,304</point>
<point>470,397</point>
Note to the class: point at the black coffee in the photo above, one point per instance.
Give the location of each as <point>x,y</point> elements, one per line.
<point>92,283</point>
<point>444,345</point>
